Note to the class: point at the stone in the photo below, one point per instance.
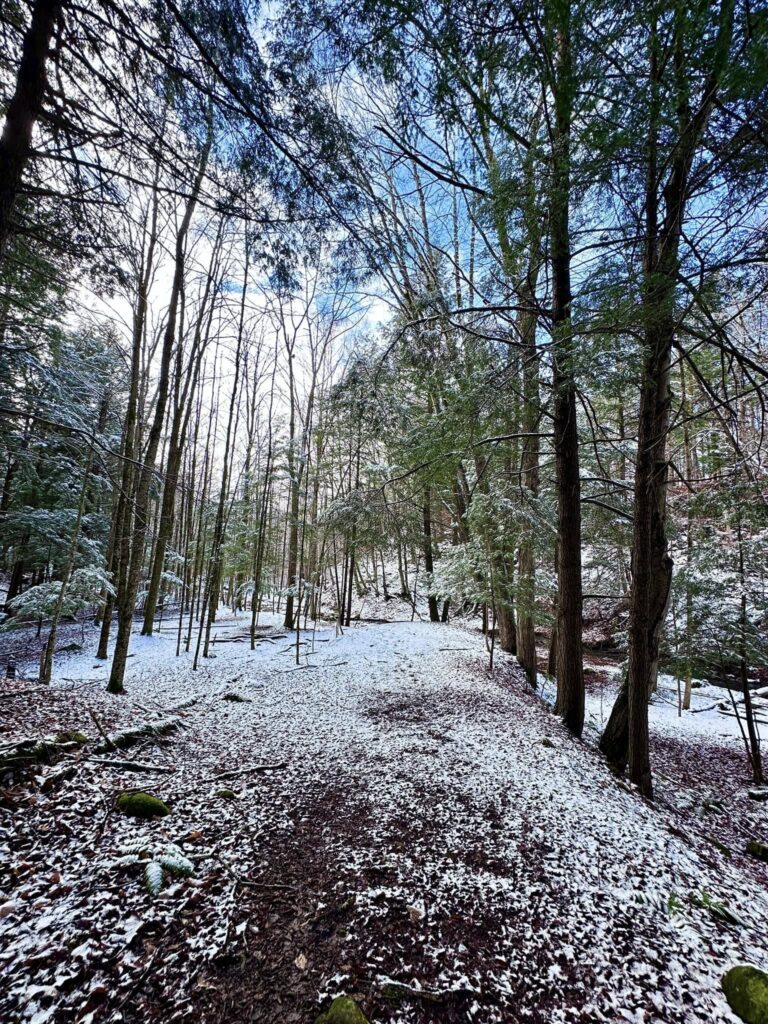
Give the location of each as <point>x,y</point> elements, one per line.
<point>746,989</point>
<point>343,1010</point>
<point>142,805</point>
<point>226,794</point>
<point>759,850</point>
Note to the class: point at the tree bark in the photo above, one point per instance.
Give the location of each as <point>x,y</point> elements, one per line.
<point>570,674</point>
<point>429,565</point>
<point>651,563</point>
<point>24,109</point>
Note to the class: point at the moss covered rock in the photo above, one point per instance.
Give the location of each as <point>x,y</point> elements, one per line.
<point>71,736</point>
<point>343,1010</point>
<point>746,989</point>
<point>226,794</point>
<point>142,805</point>
<point>759,850</point>
<point>235,698</point>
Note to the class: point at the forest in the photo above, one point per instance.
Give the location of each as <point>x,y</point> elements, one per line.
<point>384,511</point>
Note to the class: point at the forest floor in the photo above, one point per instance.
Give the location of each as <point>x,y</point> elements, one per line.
<point>433,843</point>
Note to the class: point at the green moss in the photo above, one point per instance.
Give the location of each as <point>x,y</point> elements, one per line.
<point>746,989</point>
<point>71,736</point>
<point>142,805</point>
<point>393,993</point>
<point>343,1010</point>
<point>226,794</point>
<point>759,850</point>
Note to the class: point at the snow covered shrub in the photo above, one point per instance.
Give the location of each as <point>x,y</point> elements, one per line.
<point>86,588</point>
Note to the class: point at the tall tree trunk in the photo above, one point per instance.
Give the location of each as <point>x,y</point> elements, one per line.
<point>182,410</point>
<point>122,510</point>
<point>753,746</point>
<point>46,664</point>
<point>215,570</point>
<point>651,563</point>
<point>127,599</point>
<point>526,566</point>
<point>434,612</point>
<point>570,672</point>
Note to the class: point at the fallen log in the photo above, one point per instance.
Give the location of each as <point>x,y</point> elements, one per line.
<point>29,752</point>
<point>122,740</point>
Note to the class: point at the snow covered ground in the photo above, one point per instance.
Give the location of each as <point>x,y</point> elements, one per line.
<point>435,845</point>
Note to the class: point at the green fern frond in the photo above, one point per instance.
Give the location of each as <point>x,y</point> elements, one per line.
<point>153,877</point>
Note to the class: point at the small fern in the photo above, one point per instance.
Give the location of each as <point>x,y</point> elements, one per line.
<point>158,861</point>
<point>153,877</point>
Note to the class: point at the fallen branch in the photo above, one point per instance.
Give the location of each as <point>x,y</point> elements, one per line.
<point>133,766</point>
<point>250,768</point>
<point>396,990</point>
<point>181,707</point>
<point>101,730</point>
<point>59,775</point>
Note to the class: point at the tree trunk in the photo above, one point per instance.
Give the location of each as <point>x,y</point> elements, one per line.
<point>651,563</point>
<point>570,674</point>
<point>127,599</point>
<point>526,565</point>
<point>46,664</point>
<point>24,109</point>
<point>434,612</point>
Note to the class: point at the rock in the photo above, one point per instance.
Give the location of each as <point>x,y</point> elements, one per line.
<point>343,1010</point>
<point>235,698</point>
<point>746,989</point>
<point>547,742</point>
<point>142,805</point>
<point>226,794</point>
<point>757,794</point>
<point>70,648</point>
<point>759,850</point>
<point>71,736</point>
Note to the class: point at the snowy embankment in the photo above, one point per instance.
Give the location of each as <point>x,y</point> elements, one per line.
<point>435,845</point>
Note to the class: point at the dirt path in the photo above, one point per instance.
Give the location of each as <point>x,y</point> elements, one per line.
<point>436,847</point>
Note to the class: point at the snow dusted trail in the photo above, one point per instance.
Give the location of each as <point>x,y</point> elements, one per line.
<point>436,846</point>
